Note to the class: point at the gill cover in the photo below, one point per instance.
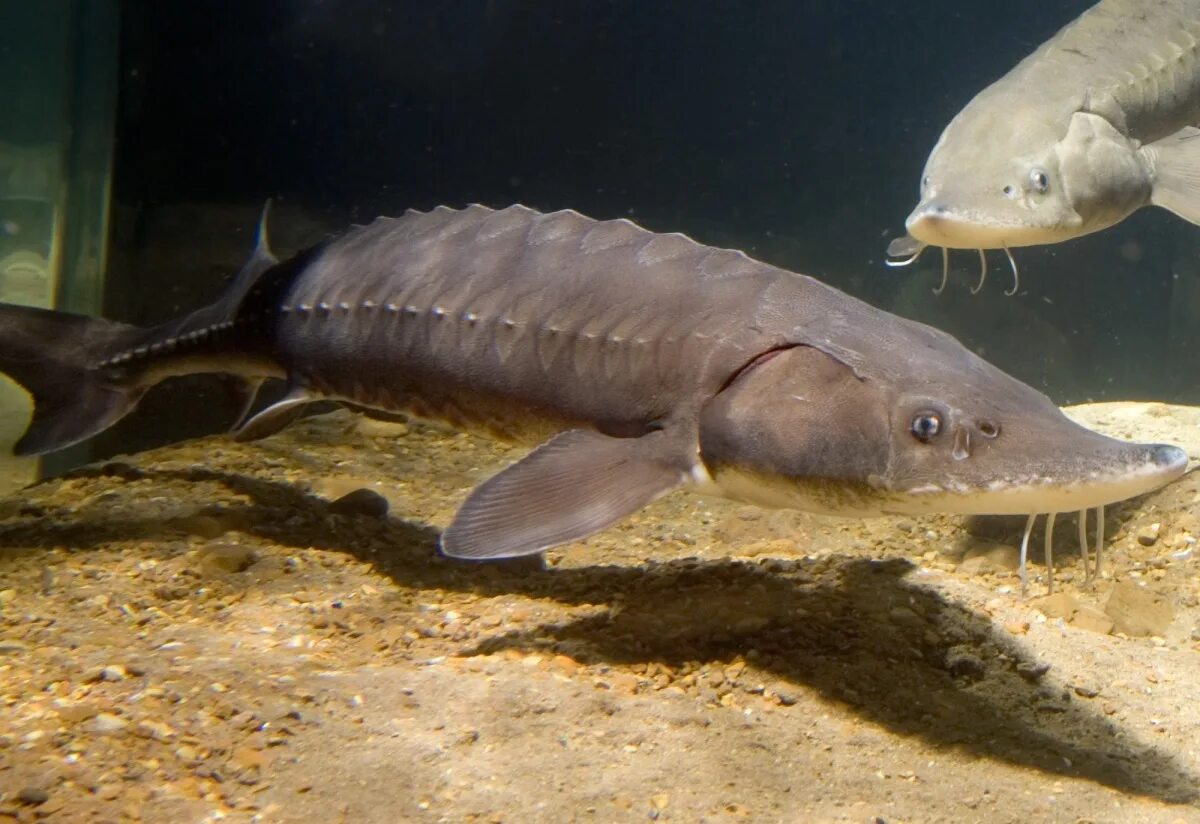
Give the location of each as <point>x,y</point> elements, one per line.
<point>798,417</point>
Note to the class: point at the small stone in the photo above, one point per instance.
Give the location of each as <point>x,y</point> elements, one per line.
<point>33,796</point>
<point>1059,605</point>
<point>973,566</point>
<point>76,713</point>
<point>113,672</point>
<point>1032,670</point>
<point>1093,620</point>
<point>1148,535</point>
<point>564,664</point>
<point>749,513</point>
<point>155,730</point>
<point>106,723</point>
<point>244,758</point>
<point>223,558</point>
<point>785,695</point>
<point>1135,611</point>
<point>1017,627</point>
<point>624,682</point>
<point>904,615</point>
<point>364,502</point>
<point>381,428</point>
<point>1086,690</point>
<point>993,555</point>
<point>962,663</point>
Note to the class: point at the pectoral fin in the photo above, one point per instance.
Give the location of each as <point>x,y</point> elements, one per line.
<point>573,485</point>
<point>1176,163</point>
<point>274,417</point>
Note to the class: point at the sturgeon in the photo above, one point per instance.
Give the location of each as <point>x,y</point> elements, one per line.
<point>641,363</point>
<point>1096,123</point>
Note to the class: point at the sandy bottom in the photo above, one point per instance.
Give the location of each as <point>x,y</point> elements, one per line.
<point>206,632</point>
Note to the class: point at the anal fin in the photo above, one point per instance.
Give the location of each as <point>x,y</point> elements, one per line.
<point>1176,163</point>
<point>572,486</point>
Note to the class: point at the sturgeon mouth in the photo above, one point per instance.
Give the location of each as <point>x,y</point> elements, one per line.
<point>1038,493</point>
<point>936,224</point>
<point>1022,495</point>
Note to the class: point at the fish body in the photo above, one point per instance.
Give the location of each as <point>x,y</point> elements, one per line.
<point>640,362</point>
<point>1096,123</point>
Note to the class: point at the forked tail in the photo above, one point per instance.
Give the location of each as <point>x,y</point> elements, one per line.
<point>54,356</point>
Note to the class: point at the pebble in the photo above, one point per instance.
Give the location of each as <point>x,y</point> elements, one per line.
<point>565,664</point>
<point>1136,611</point>
<point>106,723</point>
<point>156,730</point>
<point>623,682</point>
<point>973,566</point>
<point>222,558</point>
<point>244,758</point>
<point>785,695</point>
<point>961,663</point>
<point>1059,605</point>
<point>1091,619</point>
<point>113,672</point>
<point>1017,627</point>
<point>33,796</point>
<point>1148,535</point>
<point>1031,670</point>
<point>380,428</point>
<point>992,555</point>
<point>361,502</point>
<point>904,615</point>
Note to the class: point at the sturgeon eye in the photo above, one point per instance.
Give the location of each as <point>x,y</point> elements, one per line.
<point>1039,180</point>
<point>926,426</point>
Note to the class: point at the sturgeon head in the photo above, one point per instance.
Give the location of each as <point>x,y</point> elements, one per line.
<point>1094,124</point>
<point>1006,173</point>
<point>921,426</point>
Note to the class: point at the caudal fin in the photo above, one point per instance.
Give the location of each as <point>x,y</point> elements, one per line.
<point>52,354</point>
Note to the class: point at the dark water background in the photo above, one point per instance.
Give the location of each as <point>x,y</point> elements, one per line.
<point>793,130</point>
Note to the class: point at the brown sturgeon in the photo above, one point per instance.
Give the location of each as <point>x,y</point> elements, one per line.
<point>1096,123</point>
<point>641,363</point>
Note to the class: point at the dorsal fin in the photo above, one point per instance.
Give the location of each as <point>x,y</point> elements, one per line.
<point>261,259</point>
